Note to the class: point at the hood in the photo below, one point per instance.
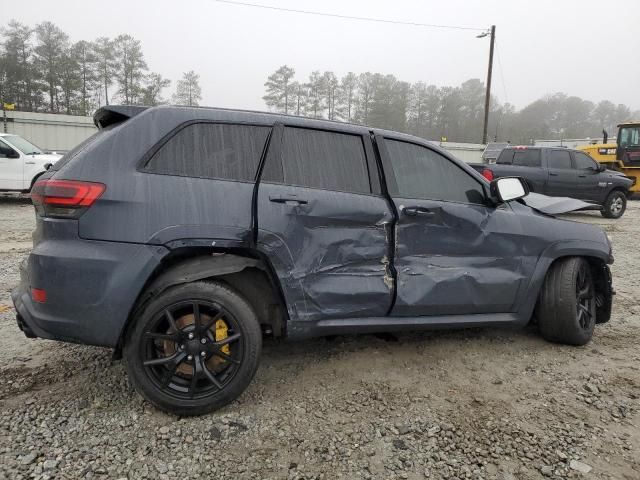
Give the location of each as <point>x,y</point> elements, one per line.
<point>556,205</point>
<point>614,173</point>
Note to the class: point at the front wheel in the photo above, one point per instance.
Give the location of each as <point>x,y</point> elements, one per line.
<point>567,306</point>
<point>194,348</point>
<point>615,205</point>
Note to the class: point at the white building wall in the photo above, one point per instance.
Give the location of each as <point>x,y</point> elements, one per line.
<point>49,131</point>
<point>57,132</point>
<point>467,152</point>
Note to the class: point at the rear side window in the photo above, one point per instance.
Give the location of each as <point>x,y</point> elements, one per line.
<point>321,159</point>
<point>208,150</point>
<point>560,159</point>
<point>505,157</point>
<point>425,174</point>
<point>526,158</point>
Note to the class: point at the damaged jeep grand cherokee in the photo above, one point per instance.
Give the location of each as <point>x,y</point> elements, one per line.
<point>180,237</point>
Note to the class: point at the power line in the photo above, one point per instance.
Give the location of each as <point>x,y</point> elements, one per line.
<point>348,17</point>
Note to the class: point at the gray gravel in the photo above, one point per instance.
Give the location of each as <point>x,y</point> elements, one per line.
<point>472,404</point>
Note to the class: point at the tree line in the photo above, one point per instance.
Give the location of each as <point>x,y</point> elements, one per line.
<point>429,111</point>
<point>41,69</point>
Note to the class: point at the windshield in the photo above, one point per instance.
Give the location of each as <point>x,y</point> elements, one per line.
<point>21,144</point>
<point>629,136</point>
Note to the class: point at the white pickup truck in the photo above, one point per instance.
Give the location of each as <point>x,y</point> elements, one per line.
<point>21,163</point>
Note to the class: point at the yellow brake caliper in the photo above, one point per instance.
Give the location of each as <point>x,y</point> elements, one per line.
<point>222,333</point>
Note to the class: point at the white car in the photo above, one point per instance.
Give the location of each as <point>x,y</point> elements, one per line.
<point>21,163</point>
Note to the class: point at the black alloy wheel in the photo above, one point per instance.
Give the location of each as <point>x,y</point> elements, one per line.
<point>185,355</point>
<point>194,348</point>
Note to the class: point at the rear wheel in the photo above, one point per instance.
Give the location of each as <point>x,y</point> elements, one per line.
<point>194,348</point>
<point>615,205</point>
<point>567,306</point>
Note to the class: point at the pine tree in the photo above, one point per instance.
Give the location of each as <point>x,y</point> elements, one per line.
<point>104,53</point>
<point>188,90</point>
<point>130,69</point>
<point>280,90</point>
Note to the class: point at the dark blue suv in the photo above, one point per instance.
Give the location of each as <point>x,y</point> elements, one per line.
<point>181,236</point>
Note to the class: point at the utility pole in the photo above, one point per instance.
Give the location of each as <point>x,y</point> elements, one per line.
<point>488,94</point>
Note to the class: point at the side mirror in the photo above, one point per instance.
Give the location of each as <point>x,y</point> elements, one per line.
<point>47,166</point>
<point>508,188</point>
<point>601,167</point>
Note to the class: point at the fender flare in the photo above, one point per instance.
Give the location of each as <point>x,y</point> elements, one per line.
<point>186,271</point>
<point>197,268</point>
<point>560,249</point>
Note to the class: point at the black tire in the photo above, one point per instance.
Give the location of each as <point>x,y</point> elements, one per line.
<point>615,205</point>
<point>566,309</point>
<point>179,380</point>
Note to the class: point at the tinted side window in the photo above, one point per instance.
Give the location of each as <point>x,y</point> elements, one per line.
<point>423,173</point>
<point>212,151</point>
<point>584,161</point>
<point>327,160</point>
<point>559,159</point>
<point>5,150</point>
<point>526,158</point>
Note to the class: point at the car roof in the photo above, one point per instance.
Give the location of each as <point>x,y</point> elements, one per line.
<point>538,147</point>
<point>114,113</point>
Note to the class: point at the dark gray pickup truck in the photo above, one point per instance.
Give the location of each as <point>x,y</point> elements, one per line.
<point>562,172</point>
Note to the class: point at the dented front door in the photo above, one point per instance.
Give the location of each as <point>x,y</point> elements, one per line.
<point>453,254</point>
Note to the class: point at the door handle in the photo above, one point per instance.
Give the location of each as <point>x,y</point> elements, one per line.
<point>551,174</point>
<point>289,200</point>
<point>29,163</point>
<point>582,176</point>
<point>418,211</point>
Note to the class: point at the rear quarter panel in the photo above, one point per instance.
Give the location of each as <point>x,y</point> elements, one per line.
<point>141,207</point>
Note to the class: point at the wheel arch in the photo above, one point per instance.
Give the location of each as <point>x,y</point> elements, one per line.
<point>35,179</point>
<point>598,260</point>
<point>618,188</point>
<point>244,270</point>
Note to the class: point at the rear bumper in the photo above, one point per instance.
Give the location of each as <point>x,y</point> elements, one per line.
<point>90,288</point>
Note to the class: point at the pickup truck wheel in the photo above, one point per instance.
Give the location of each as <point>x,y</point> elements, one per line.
<point>194,348</point>
<point>567,306</point>
<point>615,205</point>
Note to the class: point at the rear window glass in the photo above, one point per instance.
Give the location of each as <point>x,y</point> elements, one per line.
<point>209,150</point>
<point>526,158</point>
<point>321,159</point>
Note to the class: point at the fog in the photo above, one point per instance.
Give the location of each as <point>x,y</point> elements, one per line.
<point>576,47</point>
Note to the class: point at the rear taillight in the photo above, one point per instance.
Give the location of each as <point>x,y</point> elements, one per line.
<point>64,198</point>
<point>488,174</point>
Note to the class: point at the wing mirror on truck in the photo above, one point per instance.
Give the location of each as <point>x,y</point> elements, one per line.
<point>508,188</point>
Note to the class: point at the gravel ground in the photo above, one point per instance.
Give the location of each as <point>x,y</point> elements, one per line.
<point>477,403</point>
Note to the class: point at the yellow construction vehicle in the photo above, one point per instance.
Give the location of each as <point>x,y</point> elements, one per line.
<point>623,156</point>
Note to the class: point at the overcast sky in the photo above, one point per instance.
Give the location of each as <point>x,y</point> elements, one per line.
<point>586,48</point>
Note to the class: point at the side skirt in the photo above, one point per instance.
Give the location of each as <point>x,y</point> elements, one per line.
<point>347,326</point>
